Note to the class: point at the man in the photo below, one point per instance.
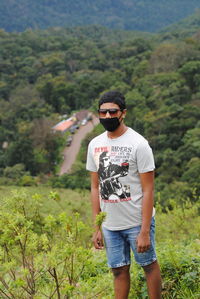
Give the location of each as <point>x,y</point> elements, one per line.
<point>129,222</point>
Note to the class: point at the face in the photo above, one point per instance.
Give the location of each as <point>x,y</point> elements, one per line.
<point>114,111</point>
<point>106,161</point>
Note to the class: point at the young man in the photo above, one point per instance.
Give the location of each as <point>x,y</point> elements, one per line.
<point>122,183</point>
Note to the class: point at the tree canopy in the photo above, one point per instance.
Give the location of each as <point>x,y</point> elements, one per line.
<point>143,15</point>
<point>58,71</point>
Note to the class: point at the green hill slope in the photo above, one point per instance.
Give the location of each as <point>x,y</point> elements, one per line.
<point>184,28</point>
<point>18,15</point>
<point>52,72</point>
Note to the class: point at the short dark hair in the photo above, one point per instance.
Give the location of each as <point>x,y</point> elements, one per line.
<point>113,97</point>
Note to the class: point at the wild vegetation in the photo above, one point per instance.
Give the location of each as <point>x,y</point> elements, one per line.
<point>143,15</point>
<point>45,230</point>
<point>57,71</point>
<point>46,250</point>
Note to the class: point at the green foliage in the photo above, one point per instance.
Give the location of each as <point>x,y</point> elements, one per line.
<point>14,172</point>
<point>49,254</point>
<point>182,221</point>
<point>191,72</point>
<point>28,239</point>
<point>46,73</point>
<point>76,180</point>
<point>129,15</point>
<point>180,272</point>
<point>184,28</point>
<point>54,195</point>
<point>100,218</point>
<point>27,180</point>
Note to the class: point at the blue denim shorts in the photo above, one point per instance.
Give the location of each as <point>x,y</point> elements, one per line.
<point>118,244</point>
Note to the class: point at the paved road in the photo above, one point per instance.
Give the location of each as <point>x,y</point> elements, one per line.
<point>71,151</point>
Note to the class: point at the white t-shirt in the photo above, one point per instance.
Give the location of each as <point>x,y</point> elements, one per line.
<point>118,163</point>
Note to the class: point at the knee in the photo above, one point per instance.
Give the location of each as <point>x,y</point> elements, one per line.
<point>121,271</point>
<point>149,268</point>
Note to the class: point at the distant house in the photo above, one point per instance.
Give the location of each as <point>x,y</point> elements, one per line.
<point>81,115</point>
<point>65,125</point>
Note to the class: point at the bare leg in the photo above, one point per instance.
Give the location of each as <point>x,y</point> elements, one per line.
<point>121,282</point>
<point>153,277</point>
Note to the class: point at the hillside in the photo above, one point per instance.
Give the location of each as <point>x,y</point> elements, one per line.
<point>151,16</point>
<point>48,73</point>
<point>183,29</point>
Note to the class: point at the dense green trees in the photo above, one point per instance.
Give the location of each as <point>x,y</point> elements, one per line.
<point>129,15</point>
<point>46,73</point>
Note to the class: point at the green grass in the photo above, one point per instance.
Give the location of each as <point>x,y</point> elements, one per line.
<point>69,201</point>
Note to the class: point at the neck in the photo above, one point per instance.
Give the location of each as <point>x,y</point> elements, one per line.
<point>118,132</point>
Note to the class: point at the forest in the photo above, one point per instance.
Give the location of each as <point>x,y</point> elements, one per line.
<point>143,15</point>
<point>45,74</point>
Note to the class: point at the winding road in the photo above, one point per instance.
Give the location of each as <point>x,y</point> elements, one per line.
<point>71,151</point>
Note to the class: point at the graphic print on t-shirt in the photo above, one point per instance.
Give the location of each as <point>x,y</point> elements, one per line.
<point>113,165</point>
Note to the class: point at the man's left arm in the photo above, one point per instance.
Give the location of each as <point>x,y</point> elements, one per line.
<point>147,182</point>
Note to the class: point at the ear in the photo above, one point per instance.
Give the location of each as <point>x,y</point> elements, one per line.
<point>124,113</point>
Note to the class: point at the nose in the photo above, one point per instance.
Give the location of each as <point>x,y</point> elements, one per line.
<point>108,115</point>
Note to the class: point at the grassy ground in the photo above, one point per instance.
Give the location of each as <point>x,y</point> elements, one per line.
<point>65,199</point>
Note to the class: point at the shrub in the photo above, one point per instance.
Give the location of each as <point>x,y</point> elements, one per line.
<point>27,180</point>
<point>50,255</point>
<point>180,272</point>
<point>45,256</point>
<point>14,172</point>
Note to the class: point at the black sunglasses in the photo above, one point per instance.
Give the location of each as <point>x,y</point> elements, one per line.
<point>111,111</point>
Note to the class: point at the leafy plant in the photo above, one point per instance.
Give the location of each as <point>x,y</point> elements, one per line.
<point>50,255</point>
<point>41,256</point>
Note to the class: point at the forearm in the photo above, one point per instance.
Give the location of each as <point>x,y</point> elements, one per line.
<point>147,182</point>
<point>97,235</point>
<point>95,204</point>
<point>147,209</point>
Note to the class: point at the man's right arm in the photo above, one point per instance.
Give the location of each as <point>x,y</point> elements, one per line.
<point>97,236</point>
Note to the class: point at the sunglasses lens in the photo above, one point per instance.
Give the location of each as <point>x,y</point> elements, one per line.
<point>112,112</point>
<point>102,112</point>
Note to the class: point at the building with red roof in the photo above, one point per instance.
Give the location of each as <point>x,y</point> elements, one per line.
<point>65,125</point>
